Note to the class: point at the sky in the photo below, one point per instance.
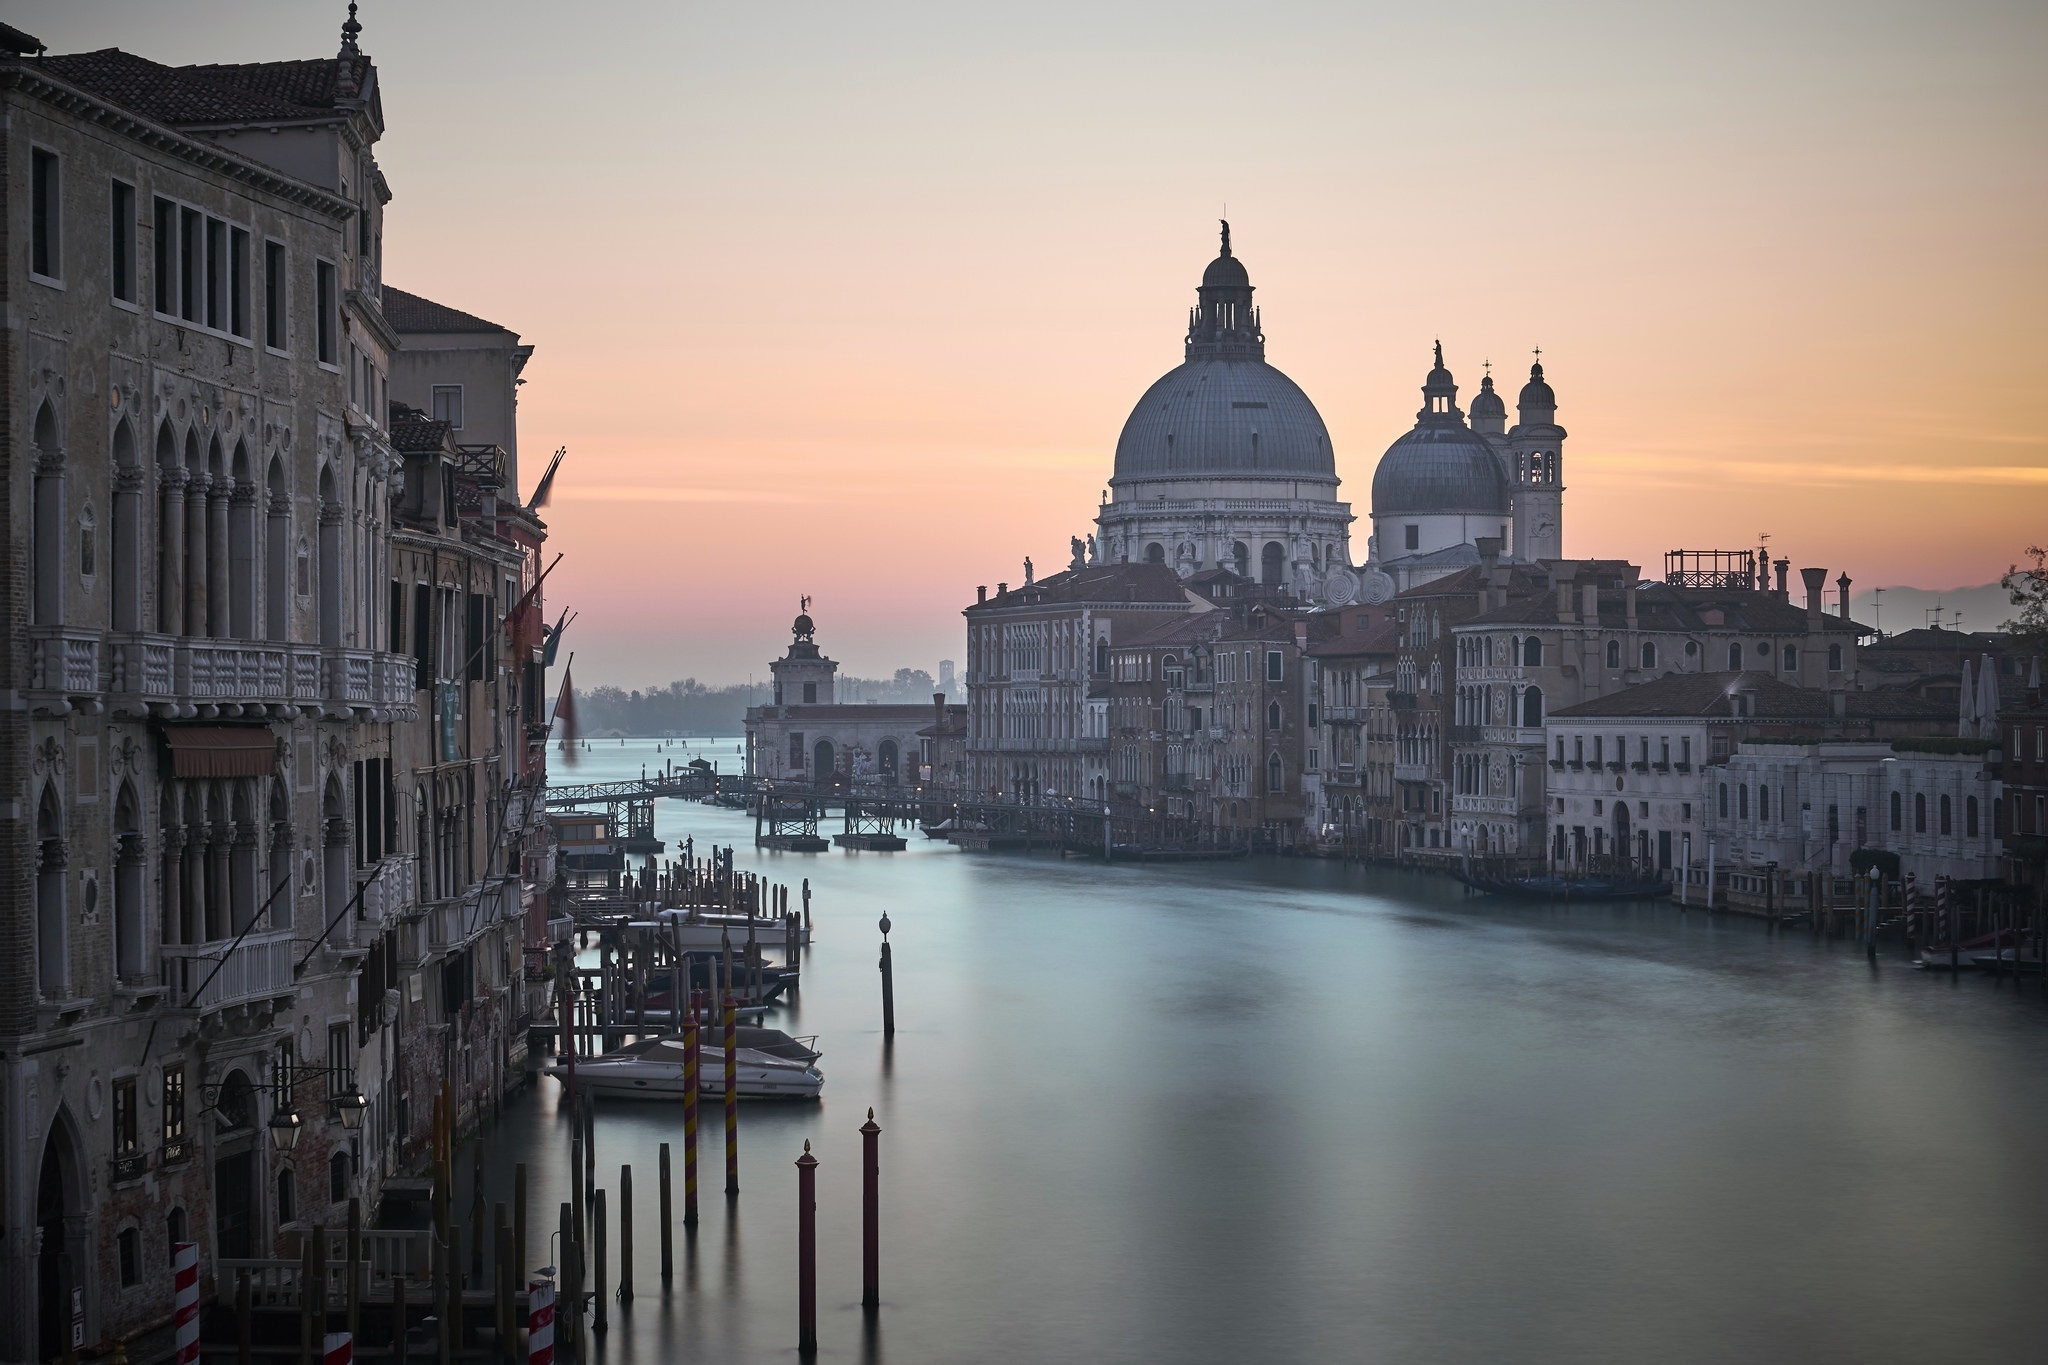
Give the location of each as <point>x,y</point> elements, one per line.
<point>852,300</point>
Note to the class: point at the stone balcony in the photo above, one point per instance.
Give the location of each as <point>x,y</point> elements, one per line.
<point>260,968</point>
<point>181,677</point>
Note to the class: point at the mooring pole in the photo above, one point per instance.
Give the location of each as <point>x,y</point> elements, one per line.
<point>871,1213</point>
<point>888,985</point>
<point>807,1251</point>
<point>732,1093</point>
<point>668,1229</point>
<point>625,1234</point>
<point>690,1059</point>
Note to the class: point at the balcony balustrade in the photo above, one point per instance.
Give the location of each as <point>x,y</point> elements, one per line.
<point>63,664</point>
<point>179,677</point>
<point>259,968</point>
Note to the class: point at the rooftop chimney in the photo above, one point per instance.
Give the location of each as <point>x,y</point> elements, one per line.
<point>1842,584</point>
<point>1564,599</point>
<point>1816,581</point>
<point>1783,566</point>
<point>1002,588</point>
<point>939,710</point>
<point>981,593</point>
<point>1628,594</point>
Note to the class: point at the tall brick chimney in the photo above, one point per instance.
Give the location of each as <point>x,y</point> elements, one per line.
<point>1816,581</point>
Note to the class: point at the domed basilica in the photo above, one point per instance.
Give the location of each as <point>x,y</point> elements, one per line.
<point>1225,463</point>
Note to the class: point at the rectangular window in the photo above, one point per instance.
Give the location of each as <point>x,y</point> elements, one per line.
<point>45,256</point>
<point>174,1107</point>
<point>397,615</point>
<point>328,325</point>
<point>479,617</point>
<point>121,240</point>
<point>341,1068</point>
<point>191,262</point>
<point>276,334</point>
<point>448,404</point>
<point>165,253</point>
<point>124,1117</point>
<point>422,636</point>
<point>216,274</point>
<point>1272,665</point>
<point>238,282</point>
<point>1413,537</point>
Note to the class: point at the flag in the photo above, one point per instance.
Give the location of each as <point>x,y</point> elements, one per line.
<point>547,658</point>
<point>565,716</point>
<point>546,485</point>
<point>524,620</point>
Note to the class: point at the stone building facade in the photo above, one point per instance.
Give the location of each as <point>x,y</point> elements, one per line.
<point>209,842</point>
<point>806,734</point>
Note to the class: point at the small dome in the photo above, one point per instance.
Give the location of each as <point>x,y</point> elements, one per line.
<point>1439,467</point>
<point>1486,403</point>
<point>1227,270</point>
<point>1536,393</point>
<point>804,628</point>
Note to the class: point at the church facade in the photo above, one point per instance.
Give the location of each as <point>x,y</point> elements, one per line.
<point>1225,464</point>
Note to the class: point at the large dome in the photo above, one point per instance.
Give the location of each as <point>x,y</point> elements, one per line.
<point>1225,412</point>
<point>1448,469</point>
<point>1240,418</point>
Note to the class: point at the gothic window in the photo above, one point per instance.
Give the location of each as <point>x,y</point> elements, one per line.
<point>1532,708</point>
<point>1649,654</point>
<point>1614,654</point>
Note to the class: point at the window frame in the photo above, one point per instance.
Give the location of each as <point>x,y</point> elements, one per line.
<point>277,297</point>
<point>434,393</point>
<point>194,263</point>
<point>327,310</point>
<point>46,214</point>
<point>122,256</point>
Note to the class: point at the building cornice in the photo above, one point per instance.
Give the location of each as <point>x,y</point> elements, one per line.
<point>39,85</point>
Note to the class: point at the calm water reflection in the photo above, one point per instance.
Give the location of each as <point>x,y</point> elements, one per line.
<point>1291,1111</point>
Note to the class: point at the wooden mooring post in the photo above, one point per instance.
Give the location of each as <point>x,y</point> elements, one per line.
<point>625,1234</point>
<point>668,1228</point>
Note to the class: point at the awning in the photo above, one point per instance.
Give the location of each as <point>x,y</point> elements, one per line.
<point>221,750</point>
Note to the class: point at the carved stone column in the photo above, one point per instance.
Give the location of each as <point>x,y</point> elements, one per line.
<point>170,587</point>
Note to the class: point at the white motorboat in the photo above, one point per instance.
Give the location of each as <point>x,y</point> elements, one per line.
<point>705,931</point>
<point>653,1069</point>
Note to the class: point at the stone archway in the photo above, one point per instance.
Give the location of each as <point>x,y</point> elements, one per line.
<point>61,1262</point>
<point>821,761</point>
<point>887,760</point>
<point>1621,840</point>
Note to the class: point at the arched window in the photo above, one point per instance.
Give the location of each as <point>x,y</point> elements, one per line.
<point>1763,802</point>
<point>1742,801</point>
<point>1275,775</point>
<point>1102,655</point>
<point>51,952</point>
<point>339,1169</point>
<point>1155,553</point>
<point>1919,812</point>
<point>1532,707</point>
<point>1791,658</point>
<point>241,553</point>
<point>128,878</point>
<point>1970,816</point>
<point>1241,558</point>
<point>886,757</point>
<point>1724,800</point>
<point>1897,814</point>
<point>47,599</point>
<point>287,1195</point>
<point>127,531</point>
<point>1273,718</point>
<point>1614,654</point>
<point>330,561</point>
<point>1649,654</point>
<point>1273,564</point>
<point>277,552</point>
<point>1947,820</point>
<point>1735,658</point>
<point>1532,653</point>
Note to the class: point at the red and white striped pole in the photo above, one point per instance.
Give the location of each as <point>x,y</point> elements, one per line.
<point>185,1303</point>
<point>540,1322</point>
<point>337,1348</point>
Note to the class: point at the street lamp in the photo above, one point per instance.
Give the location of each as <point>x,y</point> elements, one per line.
<point>284,1128</point>
<point>352,1107</point>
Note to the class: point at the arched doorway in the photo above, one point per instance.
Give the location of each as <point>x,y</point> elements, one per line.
<point>60,1228</point>
<point>1621,848</point>
<point>821,761</point>
<point>234,1114</point>
<point>886,759</point>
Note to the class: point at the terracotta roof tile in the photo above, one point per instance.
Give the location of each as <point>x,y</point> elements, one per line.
<point>408,312</point>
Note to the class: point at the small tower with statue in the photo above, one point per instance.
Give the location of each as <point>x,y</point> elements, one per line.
<point>803,676</point>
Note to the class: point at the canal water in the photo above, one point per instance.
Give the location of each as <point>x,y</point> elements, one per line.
<point>1293,1111</point>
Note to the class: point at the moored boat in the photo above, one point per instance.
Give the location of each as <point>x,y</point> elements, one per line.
<point>653,1069</point>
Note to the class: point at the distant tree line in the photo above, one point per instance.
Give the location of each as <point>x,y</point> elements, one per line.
<point>688,707</point>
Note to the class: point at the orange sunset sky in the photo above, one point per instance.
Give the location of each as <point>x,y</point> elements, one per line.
<point>852,300</point>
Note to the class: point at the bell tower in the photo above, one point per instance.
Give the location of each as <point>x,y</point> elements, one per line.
<point>804,676</point>
<point>1535,454</point>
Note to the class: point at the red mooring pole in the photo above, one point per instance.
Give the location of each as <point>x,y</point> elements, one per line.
<point>807,1251</point>
<point>732,1094</point>
<point>871,1213</point>
<point>690,1058</point>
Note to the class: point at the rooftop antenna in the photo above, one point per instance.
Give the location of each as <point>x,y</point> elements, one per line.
<point>1877,607</point>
